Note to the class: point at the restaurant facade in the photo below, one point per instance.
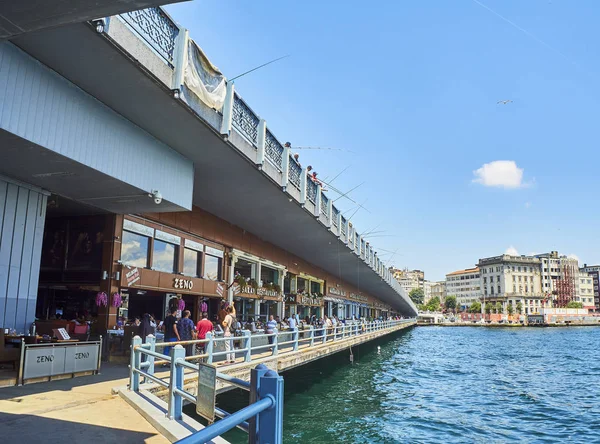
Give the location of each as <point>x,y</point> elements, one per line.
<point>194,260</point>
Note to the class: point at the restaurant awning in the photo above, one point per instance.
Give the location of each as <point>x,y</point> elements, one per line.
<point>336,300</point>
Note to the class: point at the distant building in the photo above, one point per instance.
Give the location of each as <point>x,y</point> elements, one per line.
<point>536,282</point>
<point>585,293</point>
<point>438,290</point>
<point>427,291</point>
<point>465,285</point>
<point>410,279</point>
<point>594,272</point>
<point>512,279</point>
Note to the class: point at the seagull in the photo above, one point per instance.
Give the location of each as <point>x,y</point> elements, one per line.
<point>503,102</point>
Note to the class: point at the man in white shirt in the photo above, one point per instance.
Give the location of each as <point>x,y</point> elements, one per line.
<point>292,323</point>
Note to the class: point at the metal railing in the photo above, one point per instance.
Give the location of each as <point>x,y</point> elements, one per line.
<point>245,120</point>
<point>311,190</point>
<point>295,172</point>
<point>273,150</point>
<point>262,419</point>
<point>156,28</point>
<point>249,346</point>
<point>324,205</point>
<point>334,216</point>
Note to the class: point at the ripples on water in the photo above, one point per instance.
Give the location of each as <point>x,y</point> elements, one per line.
<point>448,384</point>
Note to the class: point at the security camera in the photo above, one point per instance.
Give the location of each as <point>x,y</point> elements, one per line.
<point>156,196</point>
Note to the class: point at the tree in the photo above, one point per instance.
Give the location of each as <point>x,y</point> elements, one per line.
<point>450,303</point>
<point>488,307</point>
<point>574,304</point>
<point>511,309</point>
<point>433,304</point>
<point>475,307</point>
<point>498,307</point>
<point>417,295</point>
<point>519,307</point>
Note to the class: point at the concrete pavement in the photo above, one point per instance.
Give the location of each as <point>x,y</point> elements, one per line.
<point>73,410</point>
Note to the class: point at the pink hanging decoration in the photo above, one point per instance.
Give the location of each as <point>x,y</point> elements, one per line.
<point>116,300</point>
<point>181,305</point>
<point>101,299</point>
<point>204,307</point>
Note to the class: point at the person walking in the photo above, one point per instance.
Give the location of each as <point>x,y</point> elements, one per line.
<point>292,322</point>
<point>186,329</point>
<point>203,327</point>
<point>228,327</point>
<point>271,328</point>
<point>171,333</point>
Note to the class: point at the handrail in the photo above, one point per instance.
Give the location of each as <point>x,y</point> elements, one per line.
<point>266,394</point>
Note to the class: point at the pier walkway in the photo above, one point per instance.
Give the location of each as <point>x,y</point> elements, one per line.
<point>74,409</point>
<point>89,407</point>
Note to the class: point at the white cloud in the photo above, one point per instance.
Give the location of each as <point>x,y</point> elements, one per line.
<point>500,173</point>
<point>512,251</point>
<point>573,256</point>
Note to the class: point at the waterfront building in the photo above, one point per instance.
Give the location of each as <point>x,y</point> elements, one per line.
<point>534,282</point>
<point>465,285</point>
<point>512,280</point>
<point>594,272</point>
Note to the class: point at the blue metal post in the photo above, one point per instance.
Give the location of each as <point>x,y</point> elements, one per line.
<point>209,347</point>
<point>247,345</point>
<point>295,335</point>
<point>150,339</point>
<point>176,382</point>
<point>270,422</point>
<point>255,378</point>
<point>134,377</point>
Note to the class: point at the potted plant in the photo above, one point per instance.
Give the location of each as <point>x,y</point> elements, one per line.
<point>277,288</point>
<point>241,281</point>
<point>253,284</point>
<point>268,286</point>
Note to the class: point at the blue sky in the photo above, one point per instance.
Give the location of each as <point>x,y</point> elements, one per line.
<point>410,89</point>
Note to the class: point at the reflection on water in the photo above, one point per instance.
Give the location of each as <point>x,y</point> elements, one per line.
<point>443,384</point>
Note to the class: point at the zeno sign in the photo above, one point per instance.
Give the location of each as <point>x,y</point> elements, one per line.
<point>183,284</point>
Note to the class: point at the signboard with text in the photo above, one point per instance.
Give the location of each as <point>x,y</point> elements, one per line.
<point>43,361</point>
<point>207,391</point>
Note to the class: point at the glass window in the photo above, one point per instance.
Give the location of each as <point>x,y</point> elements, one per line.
<point>212,267</point>
<point>268,275</point>
<point>301,286</point>
<point>134,249</point>
<point>315,287</point>
<point>243,267</point>
<point>164,257</point>
<point>191,262</point>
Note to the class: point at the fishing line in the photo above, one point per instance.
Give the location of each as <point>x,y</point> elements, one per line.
<point>258,67</point>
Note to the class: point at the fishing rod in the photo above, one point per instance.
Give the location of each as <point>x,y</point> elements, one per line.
<point>348,192</point>
<point>322,148</point>
<point>258,67</point>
